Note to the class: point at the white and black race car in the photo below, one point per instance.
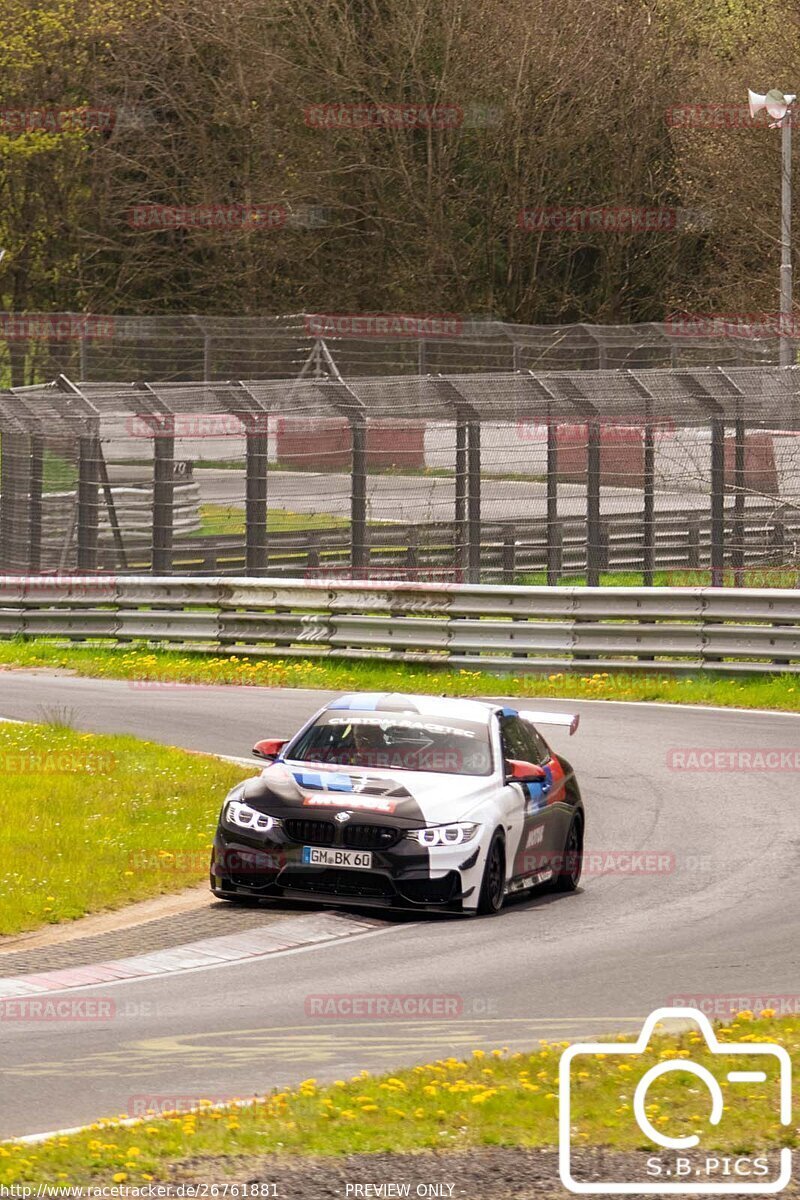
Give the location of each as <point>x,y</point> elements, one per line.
<point>401,801</point>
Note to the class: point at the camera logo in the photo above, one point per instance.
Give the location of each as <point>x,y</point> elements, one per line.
<point>704,1174</point>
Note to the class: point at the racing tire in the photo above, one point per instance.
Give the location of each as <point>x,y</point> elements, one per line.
<point>568,878</point>
<point>493,884</point>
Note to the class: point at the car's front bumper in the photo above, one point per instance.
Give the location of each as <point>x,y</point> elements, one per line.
<point>407,876</point>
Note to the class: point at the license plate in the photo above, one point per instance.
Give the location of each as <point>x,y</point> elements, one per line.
<point>320,856</point>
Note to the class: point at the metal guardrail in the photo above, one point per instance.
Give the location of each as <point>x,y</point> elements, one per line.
<point>464,625</point>
<point>681,541</point>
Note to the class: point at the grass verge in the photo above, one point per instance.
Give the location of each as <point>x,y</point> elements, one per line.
<point>492,1099</point>
<point>218,520</point>
<point>95,822</point>
<point>748,577</point>
<point>174,668</point>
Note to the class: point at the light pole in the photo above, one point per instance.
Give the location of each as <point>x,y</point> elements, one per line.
<point>779,107</point>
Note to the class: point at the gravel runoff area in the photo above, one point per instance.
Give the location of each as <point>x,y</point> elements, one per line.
<point>485,1173</point>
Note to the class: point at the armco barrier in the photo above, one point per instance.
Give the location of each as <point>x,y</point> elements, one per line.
<point>507,628</point>
<point>495,627</point>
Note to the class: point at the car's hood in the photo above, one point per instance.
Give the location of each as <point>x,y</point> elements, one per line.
<point>404,797</point>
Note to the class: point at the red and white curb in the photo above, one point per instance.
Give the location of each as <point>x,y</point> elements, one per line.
<point>287,934</point>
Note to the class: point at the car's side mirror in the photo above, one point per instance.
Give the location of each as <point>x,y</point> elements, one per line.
<point>269,748</point>
<point>519,771</point>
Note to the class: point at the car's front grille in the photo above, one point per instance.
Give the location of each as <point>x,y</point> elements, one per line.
<point>313,833</point>
<point>371,837</point>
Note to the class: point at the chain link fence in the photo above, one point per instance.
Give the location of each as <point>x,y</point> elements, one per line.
<point>35,348</point>
<point>637,474</point>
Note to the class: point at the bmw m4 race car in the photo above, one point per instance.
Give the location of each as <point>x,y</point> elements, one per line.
<point>401,801</point>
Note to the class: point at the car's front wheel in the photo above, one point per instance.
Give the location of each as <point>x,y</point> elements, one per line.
<point>568,878</point>
<point>493,885</point>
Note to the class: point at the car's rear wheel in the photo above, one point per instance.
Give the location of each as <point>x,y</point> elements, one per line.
<point>493,885</point>
<point>568,878</point>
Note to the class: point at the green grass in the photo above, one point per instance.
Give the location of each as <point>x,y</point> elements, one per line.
<point>491,1099</point>
<point>219,519</point>
<point>58,475</point>
<point>95,822</point>
<point>752,577</point>
<point>779,692</point>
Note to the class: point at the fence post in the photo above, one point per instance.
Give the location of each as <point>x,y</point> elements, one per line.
<point>593,533</point>
<point>648,509</point>
<point>256,457</point>
<point>35,505</point>
<point>412,556</point>
<point>603,544</point>
<point>717,502</point>
<point>312,553</point>
<point>460,512</point>
<point>555,552</point>
<point>163,494</point>
<point>88,502</point>
<point>693,544</point>
<point>474,500</point>
<point>509,553</point>
<point>358,496</point>
<point>554,532</point>
<point>737,553</point>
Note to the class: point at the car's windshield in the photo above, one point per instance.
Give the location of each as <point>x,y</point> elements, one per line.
<point>397,741</point>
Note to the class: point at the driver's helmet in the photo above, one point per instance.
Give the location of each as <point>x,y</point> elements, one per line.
<point>368,739</point>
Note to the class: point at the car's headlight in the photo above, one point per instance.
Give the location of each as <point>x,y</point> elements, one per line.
<point>238,813</point>
<point>444,835</point>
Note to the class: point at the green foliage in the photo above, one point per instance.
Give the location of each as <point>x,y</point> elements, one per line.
<point>211,102</point>
<point>94,822</point>
<point>779,692</point>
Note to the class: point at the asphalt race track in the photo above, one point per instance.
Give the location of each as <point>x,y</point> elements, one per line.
<point>723,921</point>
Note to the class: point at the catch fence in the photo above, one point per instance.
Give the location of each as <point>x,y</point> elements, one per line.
<point>37,347</point>
<point>525,476</point>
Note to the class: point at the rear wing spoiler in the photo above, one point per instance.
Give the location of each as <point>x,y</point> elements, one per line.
<point>568,720</point>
